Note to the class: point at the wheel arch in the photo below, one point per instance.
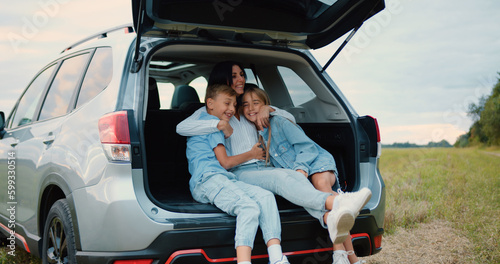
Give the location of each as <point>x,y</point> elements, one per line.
<point>53,189</point>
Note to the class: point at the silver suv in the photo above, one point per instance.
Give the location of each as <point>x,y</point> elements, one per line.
<point>92,169</point>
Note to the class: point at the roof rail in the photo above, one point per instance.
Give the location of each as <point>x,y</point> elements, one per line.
<point>129,28</point>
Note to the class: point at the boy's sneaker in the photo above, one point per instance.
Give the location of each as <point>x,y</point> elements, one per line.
<point>339,224</point>
<point>283,260</point>
<point>340,257</point>
<point>354,201</point>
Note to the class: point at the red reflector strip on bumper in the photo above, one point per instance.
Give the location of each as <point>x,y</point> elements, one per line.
<point>202,252</point>
<point>134,261</point>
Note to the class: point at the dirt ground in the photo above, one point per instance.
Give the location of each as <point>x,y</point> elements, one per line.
<point>435,242</point>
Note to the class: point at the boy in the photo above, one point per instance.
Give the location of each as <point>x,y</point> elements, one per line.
<point>211,183</point>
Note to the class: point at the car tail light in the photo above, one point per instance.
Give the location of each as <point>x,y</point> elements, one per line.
<point>115,136</point>
<point>379,144</point>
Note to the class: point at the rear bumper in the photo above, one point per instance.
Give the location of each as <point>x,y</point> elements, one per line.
<point>303,241</point>
<point>366,236</point>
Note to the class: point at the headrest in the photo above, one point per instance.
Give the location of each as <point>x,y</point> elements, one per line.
<point>184,94</point>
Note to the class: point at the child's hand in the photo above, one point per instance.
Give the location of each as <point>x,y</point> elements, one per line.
<point>263,118</point>
<point>258,152</point>
<point>224,126</point>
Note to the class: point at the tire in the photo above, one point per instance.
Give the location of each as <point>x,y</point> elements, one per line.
<point>58,236</point>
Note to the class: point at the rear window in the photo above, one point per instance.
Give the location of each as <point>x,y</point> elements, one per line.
<point>299,91</point>
<point>57,102</point>
<point>98,75</point>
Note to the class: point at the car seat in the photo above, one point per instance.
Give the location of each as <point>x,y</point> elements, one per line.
<point>185,98</point>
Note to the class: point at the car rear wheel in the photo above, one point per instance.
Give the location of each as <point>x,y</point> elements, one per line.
<point>58,236</point>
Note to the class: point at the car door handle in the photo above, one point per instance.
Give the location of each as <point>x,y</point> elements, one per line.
<point>49,139</point>
<point>16,141</point>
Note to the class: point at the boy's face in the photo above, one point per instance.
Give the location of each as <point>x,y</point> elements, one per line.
<point>222,106</point>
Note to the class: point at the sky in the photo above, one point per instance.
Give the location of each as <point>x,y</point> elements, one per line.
<point>416,66</point>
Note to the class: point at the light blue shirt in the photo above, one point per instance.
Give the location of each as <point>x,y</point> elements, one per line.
<point>201,156</point>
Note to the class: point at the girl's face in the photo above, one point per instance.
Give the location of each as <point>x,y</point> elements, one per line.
<point>251,104</point>
<point>238,77</point>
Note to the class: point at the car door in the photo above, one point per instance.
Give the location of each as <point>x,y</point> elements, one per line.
<point>18,124</point>
<point>34,147</point>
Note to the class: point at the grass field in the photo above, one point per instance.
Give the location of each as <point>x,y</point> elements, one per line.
<point>460,186</point>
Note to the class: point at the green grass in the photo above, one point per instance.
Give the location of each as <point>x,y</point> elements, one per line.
<point>457,185</point>
<point>460,186</point>
<point>21,257</point>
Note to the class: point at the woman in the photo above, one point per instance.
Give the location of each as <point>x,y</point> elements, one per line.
<point>289,147</point>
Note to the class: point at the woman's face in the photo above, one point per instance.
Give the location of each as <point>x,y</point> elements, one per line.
<point>238,77</point>
<point>251,104</point>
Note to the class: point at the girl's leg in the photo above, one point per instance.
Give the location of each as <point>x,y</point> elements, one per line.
<point>349,248</point>
<point>289,184</point>
<point>324,181</point>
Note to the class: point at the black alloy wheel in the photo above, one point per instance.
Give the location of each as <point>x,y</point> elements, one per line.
<point>58,236</point>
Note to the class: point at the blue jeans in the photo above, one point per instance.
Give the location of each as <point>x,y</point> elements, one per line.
<point>289,184</point>
<point>252,206</point>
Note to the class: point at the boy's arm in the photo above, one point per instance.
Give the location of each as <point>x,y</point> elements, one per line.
<point>228,162</point>
<point>191,126</point>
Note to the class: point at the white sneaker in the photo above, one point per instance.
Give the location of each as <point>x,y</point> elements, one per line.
<point>354,201</point>
<point>339,224</point>
<point>340,257</point>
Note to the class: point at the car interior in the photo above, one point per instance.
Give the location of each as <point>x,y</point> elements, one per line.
<point>177,80</point>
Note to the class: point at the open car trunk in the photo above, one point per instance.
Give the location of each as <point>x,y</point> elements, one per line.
<point>307,24</point>
<point>287,76</point>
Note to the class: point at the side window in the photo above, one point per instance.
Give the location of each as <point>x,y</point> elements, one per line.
<point>299,91</point>
<point>251,78</point>
<point>200,85</point>
<point>98,75</point>
<point>60,92</point>
<point>26,108</point>
<point>165,91</point>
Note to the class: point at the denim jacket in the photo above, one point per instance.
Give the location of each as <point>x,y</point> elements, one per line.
<point>291,148</point>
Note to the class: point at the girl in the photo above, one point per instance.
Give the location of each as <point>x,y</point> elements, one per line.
<point>288,146</point>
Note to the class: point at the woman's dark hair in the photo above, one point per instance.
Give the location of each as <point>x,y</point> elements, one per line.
<point>222,73</point>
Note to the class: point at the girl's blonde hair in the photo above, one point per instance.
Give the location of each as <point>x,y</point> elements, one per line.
<point>261,94</point>
<point>264,97</point>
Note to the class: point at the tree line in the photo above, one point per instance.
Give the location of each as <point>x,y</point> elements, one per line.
<point>485,131</point>
<point>441,144</point>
